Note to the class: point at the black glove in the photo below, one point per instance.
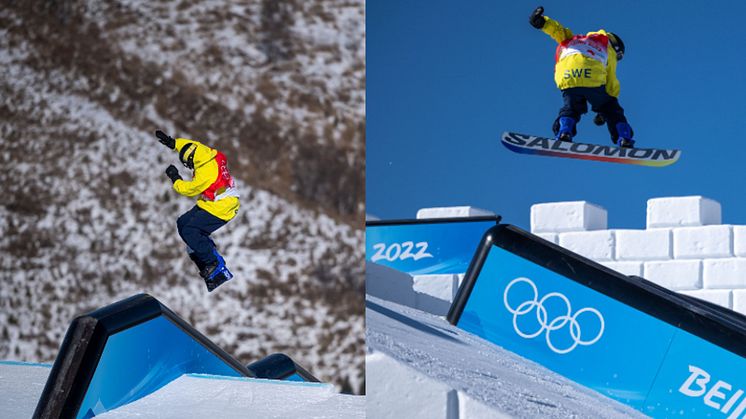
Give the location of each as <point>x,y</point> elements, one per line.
<point>599,119</point>
<point>173,173</point>
<point>165,139</point>
<point>537,18</point>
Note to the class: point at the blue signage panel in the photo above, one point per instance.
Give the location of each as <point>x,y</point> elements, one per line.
<point>133,347</point>
<point>571,329</point>
<point>700,379</point>
<point>295,377</point>
<point>426,247</point>
<point>617,344</point>
<point>140,360</point>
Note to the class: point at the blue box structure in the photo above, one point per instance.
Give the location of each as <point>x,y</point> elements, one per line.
<point>660,352</point>
<point>127,350</point>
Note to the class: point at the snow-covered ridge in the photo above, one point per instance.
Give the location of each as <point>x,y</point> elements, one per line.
<point>297,66</point>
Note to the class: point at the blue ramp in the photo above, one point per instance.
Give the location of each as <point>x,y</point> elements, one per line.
<point>660,352</point>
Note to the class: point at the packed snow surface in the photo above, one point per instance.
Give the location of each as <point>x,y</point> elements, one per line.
<point>194,396</point>
<point>21,385</point>
<point>484,372</point>
<point>205,396</point>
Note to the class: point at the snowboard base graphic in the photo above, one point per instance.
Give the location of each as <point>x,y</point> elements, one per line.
<point>531,144</point>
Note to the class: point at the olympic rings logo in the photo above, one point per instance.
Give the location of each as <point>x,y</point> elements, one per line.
<point>555,324</point>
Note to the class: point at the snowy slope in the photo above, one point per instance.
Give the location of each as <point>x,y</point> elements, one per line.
<point>476,369</point>
<point>89,218</point>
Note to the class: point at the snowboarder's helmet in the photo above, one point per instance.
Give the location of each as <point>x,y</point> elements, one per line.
<point>617,44</point>
<point>186,155</point>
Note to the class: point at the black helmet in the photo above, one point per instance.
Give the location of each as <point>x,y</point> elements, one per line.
<point>617,44</point>
<point>187,157</point>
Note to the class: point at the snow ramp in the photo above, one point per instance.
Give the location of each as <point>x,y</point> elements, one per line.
<point>209,396</point>
<point>663,353</point>
<point>420,366</point>
<point>130,349</point>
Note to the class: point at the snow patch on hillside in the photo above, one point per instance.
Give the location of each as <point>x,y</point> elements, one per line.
<point>89,218</point>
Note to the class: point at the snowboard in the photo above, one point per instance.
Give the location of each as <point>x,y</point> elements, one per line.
<point>531,144</point>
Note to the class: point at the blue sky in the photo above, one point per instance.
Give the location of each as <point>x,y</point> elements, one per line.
<point>445,78</point>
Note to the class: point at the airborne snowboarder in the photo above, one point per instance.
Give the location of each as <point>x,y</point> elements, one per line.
<point>585,71</point>
<point>217,204</point>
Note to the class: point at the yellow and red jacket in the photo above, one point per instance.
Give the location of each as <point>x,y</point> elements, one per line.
<point>211,181</point>
<point>583,60</point>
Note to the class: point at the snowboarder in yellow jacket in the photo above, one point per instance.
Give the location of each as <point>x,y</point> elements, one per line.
<point>585,71</point>
<point>217,204</point>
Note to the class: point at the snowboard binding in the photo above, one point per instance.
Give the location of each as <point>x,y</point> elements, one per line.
<point>565,128</point>
<point>216,274</point>
<point>218,278</point>
<point>625,135</point>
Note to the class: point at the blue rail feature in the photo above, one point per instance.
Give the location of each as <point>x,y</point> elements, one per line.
<point>140,360</point>
<point>129,349</point>
<point>659,352</point>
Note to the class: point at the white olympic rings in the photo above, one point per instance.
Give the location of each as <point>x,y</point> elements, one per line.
<point>556,323</point>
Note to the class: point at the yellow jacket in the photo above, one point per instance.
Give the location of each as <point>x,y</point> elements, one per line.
<point>583,60</point>
<point>205,174</point>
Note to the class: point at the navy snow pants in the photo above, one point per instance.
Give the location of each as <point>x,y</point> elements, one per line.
<point>195,227</point>
<point>576,104</point>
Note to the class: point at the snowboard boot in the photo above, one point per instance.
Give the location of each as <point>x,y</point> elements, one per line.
<point>207,270</point>
<point>200,266</point>
<point>625,135</point>
<point>566,128</point>
<point>216,273</point>
<point>218,279</point>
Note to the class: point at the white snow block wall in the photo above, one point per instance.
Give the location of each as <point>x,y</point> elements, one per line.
<point>429,293</point>
<point>395,390</point>
<point>567,216</point>
<point>684,247</point>
<point>682,211</point>
<point>442,286</point>
<point>452,212</point>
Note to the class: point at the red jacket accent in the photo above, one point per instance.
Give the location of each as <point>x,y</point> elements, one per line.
<point>592,45</point>
<point>223,182</point>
